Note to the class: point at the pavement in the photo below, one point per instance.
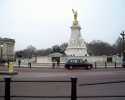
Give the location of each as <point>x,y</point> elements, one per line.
<point>97,83</point>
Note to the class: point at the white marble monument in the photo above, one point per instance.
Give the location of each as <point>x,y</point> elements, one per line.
<point>76,45</point>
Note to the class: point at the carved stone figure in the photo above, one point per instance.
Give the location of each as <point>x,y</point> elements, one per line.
<point>75,22</point>
<point>75,14</point>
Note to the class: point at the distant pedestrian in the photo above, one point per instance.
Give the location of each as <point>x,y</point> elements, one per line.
<point>58,63</point>
<point>53,64</point>
<point>19,63</point>
<point>8,62</point>
<point>29,63</point>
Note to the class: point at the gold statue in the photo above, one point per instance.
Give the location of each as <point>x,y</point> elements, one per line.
<point>75,22</point>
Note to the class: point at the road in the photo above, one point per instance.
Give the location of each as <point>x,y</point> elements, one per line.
<point>63,89</point>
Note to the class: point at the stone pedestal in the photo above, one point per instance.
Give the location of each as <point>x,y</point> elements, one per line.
<point>76,45</point>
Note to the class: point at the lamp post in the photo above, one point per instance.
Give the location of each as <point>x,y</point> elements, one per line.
<point>1,47</point>
<point>123,48</point>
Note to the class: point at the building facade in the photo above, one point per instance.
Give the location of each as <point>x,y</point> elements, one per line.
<point>6,49</point>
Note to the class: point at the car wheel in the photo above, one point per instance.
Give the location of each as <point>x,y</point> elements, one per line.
<point>89,67</point>
<point>70,67</point>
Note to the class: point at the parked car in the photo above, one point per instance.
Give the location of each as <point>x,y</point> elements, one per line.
<point>77,63</point>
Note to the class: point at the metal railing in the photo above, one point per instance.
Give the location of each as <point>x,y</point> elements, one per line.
<point>73,95</point>
<point>61,65</point>
<point>102,83</point>
<point>106,65</point>
<point>8,95</point>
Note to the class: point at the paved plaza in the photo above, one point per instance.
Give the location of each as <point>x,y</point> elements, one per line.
<point>64,89</point>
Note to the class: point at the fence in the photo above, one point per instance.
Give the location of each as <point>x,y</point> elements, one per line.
<point>8,95</point>
<point>102,96</point>
<point>61,65</point>
<point>107,65</point>
<point>73,90</point>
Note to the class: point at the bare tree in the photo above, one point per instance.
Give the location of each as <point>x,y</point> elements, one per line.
<point>99,48</point>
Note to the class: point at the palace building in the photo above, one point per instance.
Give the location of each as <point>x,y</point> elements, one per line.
<point>6,49</point>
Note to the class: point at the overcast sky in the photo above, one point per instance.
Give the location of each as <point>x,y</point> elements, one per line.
<point>44,23</point>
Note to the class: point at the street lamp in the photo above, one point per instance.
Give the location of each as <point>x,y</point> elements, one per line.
<point>1,47</point>
<point>123,48</point>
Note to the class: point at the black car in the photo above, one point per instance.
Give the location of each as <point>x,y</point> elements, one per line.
<point>77,63</point>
